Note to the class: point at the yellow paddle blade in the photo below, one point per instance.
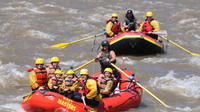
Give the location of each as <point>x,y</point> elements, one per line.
<point>195,54</point>
<point>60,45</point>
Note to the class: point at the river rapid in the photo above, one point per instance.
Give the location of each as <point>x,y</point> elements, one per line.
<point>28,29</point>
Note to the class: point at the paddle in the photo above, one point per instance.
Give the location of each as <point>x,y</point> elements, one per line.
<point>63,45</point>
<point>164,104</point>
<point>193,54</point>
<point>83,98</point>
<point>83,65</point>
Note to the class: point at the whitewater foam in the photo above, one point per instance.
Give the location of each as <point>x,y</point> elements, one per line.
<point>40,35</point>
<point>73,63</point>
<point>194,60</point>
<point>187,86</point>
<point>10,71</point>
<point>160,60</point>
<point>12,107</point>
<point>186,21</point>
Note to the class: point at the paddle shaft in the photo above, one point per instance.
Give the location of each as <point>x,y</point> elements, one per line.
<point>86,38</point>
<point>164,104</point>
<point>89,62</point>
<point>194,54</point>
<point>63,45</point>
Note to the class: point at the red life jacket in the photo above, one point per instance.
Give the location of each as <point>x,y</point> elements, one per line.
<point>116,26</point>
<point>84,89</point>
<point>147,27</point>
<point>41,76</point>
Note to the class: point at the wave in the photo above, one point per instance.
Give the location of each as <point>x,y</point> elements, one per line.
<point>187,86</point>
<point>10,75</point>
<point>40,35</point>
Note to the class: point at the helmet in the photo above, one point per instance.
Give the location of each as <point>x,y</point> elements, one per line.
<point>114,15</point>
<point>39,61</point>
<point>58,71</point>
<point>149,14</point>
<point>54,59</point>
<point>84,72</point>
<point>108,70</point>
<point>70,72</point>
<point>129,11</point>
<point>105,43</point>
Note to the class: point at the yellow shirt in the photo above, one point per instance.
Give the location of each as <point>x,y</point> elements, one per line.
<point>154,23</point>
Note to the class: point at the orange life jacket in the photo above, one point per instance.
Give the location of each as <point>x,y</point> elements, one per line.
<point>41,76</point>
<point>147,27</point>
<point>116,28</point>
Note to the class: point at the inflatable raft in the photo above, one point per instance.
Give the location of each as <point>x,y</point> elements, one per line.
<point>135,43</point>
<point>129,96</point>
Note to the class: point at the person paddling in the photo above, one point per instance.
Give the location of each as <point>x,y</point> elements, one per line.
<point>130,22</point>
<point>106,56</point>
<point>113,26</point>
<point>38,75</point>
<point>149,26</point>
<point>89,88</point>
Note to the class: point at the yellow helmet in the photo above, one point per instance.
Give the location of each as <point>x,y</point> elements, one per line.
<point>39,61</point>
<point>54,59</point>
<point>114,15</point>
<point>69,72</point>
<point>84,72</point>
<point>108,70</point>
<point>149,14</point>
<point>58,71</point>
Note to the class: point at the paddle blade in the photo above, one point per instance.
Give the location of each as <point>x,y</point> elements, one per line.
<point>60,45</point>
<point>195,54</point>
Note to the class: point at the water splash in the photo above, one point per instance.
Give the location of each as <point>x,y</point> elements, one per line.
<point>12,107</point>
<point>159,60</point>
<point>10,75</point>
<point>187,86</point>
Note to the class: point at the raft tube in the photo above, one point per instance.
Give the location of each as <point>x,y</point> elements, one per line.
<point>129,96</point>
<point>135,43</point>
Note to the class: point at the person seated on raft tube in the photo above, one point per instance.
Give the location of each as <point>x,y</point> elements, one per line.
<point>38,75</point>
<point>55,81</point>
<point>113,26</point>
<point>69,85</point>
<point>89,88</point>
<point>130,22</point>
<point>149,26</point>
<point>106,82</point>
<point>53,66</point>
<point>106,56</point>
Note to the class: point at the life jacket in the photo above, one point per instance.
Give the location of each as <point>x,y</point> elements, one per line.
<point>147,27</point>
<point>41,76</point>
<point>103,81</point>
<point>84,89</point>
<point>116,28</point>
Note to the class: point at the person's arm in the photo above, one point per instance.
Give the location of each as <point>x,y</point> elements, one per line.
<point>140,28</point>
<point>74,87</point>
<point>92,86</point>
<point>108,87</point>
<point>98,57</point>
<point>108,29</point>
<point>33,80</point>
<point>113,55</point>
<point>155,25</point>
